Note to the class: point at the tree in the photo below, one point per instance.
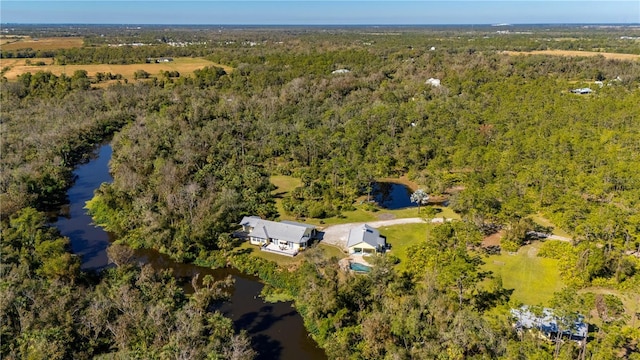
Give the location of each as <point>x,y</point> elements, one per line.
<point>420,197</point>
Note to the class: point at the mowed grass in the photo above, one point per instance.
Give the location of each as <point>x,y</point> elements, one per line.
<point>540,219</point>
<point>401,237</point>
<point>533,279</point>
<point>50,43</point>
<point>615,56</point>
<point>183,65</point>
<point>362,213</point>
<point>284,184</point>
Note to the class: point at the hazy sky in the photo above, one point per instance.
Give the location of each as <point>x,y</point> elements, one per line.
<point>269,12</point>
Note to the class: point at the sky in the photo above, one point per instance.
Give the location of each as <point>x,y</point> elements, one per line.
<point>320,12</point>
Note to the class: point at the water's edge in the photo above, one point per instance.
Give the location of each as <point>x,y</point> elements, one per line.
<point>276,329</point>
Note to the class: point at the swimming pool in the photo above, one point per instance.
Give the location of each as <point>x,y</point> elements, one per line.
<point>359,267</point>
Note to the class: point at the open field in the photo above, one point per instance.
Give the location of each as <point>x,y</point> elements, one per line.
<point>533,279</point>
<point>184,66</point>
<point>616,56</point>
<point>401,237</point>
<point>53,43</point>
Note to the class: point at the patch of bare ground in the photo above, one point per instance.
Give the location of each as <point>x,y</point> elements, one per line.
<point>386,216</point>
<point>493,239</point>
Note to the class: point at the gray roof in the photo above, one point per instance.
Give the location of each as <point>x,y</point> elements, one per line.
<point>366,234</point>
<point>249,221</point>
<point>266,229</point>
<point>308,226</point>
<point>547,322</point>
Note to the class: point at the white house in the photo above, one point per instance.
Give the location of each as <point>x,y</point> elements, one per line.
<point>582,91</point>
<point>366,240</point>
<point>287,237</point>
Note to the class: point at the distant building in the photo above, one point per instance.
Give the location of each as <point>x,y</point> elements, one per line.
<point>582,91</point>
<point>340,71</point>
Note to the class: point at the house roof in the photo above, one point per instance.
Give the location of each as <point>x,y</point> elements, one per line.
<point>547,322</point>
<point>266,229</point>
<point>366,234</point>
<point>582,91</point>
<point>249,221</point>
<point>308,226</point>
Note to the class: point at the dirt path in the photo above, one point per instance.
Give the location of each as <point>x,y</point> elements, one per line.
<point>338,234</point>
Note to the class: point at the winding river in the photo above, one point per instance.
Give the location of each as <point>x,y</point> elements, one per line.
<point>276,329</point>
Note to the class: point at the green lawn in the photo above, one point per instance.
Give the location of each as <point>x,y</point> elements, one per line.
<point>401,237</point>
<point>540,219</point>
<point>284,184</point>
<point>285,261</point>
<point>533,279</point>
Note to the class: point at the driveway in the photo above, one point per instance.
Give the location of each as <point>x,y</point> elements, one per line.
<point>338,234</point>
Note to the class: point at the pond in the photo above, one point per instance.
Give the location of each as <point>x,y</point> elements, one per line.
<point>276,329</point>
<point>392,196</point>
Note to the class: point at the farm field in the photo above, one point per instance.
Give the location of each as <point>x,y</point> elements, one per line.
<point>184,66</point>
<point>52,43</point>
<point>576,53</point>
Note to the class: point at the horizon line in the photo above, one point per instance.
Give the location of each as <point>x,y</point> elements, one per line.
<point>325,24</point>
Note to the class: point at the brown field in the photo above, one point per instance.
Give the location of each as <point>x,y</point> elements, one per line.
<point>52,43</point>
<point>576,53</point>
<point>184,66</point>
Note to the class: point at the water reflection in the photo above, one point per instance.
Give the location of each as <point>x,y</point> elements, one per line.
<point>392,196</point>
<point>276,330</point>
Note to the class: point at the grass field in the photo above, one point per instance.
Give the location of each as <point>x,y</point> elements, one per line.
<point>184,66</point>
<point>615,56</point>
<point>401,237</point>
<point>52,43</point>
<point>533,279</point>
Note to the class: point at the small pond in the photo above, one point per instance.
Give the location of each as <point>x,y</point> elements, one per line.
<point>391,195</point>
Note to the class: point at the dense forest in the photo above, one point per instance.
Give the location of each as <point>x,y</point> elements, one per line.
<point>501,136</point>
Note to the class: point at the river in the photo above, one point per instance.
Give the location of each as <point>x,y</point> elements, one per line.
<point>276,329</point>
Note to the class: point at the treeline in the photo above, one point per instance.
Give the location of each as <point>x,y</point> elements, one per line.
<point>52,310</point>
<point>506,128</point>
<point>50,124</point>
